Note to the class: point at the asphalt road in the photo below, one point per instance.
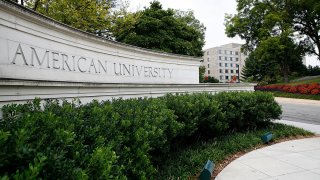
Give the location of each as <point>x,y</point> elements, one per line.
<point>300,110</point>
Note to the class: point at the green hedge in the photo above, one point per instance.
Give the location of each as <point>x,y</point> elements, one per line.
<point>122,139</point>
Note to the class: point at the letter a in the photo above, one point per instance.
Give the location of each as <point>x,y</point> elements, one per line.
<point>19,52</point>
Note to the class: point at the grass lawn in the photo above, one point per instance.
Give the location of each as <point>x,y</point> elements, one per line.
<point>189,161</point>
<point>295,96</point>
<point>317,80</point>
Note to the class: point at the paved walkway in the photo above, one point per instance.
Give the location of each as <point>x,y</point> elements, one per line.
<point>291,160</point>
<point>315,128</point>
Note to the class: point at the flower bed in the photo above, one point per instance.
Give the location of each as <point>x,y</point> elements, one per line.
<point>313,88</point>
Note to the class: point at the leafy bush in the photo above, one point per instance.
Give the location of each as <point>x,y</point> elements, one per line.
<point>197,112</point>
<point>248,110</point>
<point>210,79</point>
<point>117,139</point>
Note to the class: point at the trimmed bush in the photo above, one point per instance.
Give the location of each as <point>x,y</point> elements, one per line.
<point>119,139</point>
<point>248,110</point>
<point>197,112</point>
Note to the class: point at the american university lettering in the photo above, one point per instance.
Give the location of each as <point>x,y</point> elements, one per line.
<point>46,59</point>
<point>56,60</point>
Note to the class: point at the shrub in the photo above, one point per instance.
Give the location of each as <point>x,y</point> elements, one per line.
<point>210,79</point>
<point>117,139</point>
<point>247,110</point>
<point>197,112</point>
<point>293,89</point>
<point>301,88</point>
<point>315,91</point>
<point>304,90</point>
<point>286,88</point>
<point>49,143</point>
<point>312,86</point>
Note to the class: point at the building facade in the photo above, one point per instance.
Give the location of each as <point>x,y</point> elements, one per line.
<point>225,62</point>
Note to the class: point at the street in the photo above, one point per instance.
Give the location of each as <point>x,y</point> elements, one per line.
<point>300,110</point>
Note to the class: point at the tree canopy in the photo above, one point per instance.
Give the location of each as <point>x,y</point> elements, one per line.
<point>273,58</point>
<point>87,15</point>
<point>172,31</point>
<point>165,30</point>
<point>258,20</point>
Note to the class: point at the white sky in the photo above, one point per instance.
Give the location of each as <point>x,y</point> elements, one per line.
<point>211,13</point>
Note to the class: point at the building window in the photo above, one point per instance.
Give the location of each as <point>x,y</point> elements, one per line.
<point>221,77</point>
<point>226,71</point>
<point>207,52</point>
<point>208,71</point>
<point>226,58</point>
<point>230,58</point>
<point>231,71</point>
<point>225,52</point>
<point>220,57</point>
<point>208,65</point>
<point>226,64</point>
<point>220,52</point>
<point>237,71</point>
<point>237,53</point>
<point>237,59</point>
<point>237,65</point>
<point>227,77</point>
<point>231,65</point>
<point>220,70</point>
<point>208,59</point>
<point>220,64</point>
<point>231,52</point>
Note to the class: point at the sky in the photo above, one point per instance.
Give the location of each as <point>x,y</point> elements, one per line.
<point>211,13</point>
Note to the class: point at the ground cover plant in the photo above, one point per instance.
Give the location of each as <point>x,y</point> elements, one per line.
<point>119,139</point>
<point>186,162</point>
<point>295,96</point>
<point>312,88</point>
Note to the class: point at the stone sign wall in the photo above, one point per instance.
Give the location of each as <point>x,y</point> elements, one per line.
<point>40,57</point>
<point>34,47</point>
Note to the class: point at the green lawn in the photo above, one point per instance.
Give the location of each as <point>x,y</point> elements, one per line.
<point>295,96</point>
<point>317,80</point>
<point>189,161</point>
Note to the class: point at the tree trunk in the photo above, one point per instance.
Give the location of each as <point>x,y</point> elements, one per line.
<point>285,71</point>
<point>318,45</point>
<point>36,3</point>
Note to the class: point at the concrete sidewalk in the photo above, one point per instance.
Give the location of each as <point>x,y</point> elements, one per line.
<point>309,127</point>
<point>291,160</point>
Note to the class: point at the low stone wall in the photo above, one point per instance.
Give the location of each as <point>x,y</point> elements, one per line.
<point>18,91</point>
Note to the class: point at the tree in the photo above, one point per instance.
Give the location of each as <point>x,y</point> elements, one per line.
<point>305,15</point>
<point>257,20</point>
<point>87,15</point>
<point>164,30</point>
<point>260,70</point>
<point>202,70</point>
<point>272,57</point>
